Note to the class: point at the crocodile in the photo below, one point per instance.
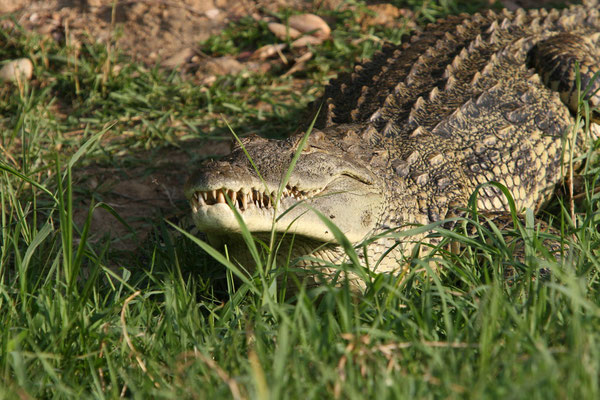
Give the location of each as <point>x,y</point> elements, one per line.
<point>407,137</point>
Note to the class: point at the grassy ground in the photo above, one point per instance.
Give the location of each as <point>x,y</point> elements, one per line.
<point>82,319</point>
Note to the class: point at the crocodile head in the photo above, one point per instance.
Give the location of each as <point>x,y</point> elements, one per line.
<point>327,177</point>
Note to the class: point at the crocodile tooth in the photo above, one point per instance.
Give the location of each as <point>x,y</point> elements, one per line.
<point>204,195</point>
<point>244,201</point>
<point>221,198</point>
<point>200,199</point>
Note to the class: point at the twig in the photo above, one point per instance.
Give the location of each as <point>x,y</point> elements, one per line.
<point>8,155</point>
<point>580,196</point>
<point>128,339</point>
<point>233,386</point>
<point>102,347</point>
<point>300,62</point>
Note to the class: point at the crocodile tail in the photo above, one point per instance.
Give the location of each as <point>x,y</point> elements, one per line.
<point>569,64</point>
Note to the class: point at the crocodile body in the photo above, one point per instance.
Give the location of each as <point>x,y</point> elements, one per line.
<point>408,136</point>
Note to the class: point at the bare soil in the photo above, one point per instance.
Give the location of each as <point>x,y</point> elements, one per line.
<point>148,30</point>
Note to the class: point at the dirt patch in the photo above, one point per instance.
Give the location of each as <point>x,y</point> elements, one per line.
<point>152,188</point>
<point>147,30</point>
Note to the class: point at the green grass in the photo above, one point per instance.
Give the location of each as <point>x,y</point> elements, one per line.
<point>79,319</point>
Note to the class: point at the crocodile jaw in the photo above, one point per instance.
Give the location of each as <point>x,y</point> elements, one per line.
<point>352,205</point>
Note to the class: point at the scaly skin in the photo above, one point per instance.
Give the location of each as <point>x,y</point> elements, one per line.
<point>408,136</point>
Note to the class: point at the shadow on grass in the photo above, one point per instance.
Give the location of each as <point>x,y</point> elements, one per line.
<point>146,188</point>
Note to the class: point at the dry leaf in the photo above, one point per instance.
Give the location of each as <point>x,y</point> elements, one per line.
<point>283,32</point>
<point>222,66</point>
<point>16,70</point>
<point>312,23</point>
<point>179,58</point>
<point>385,15</point>
<point>306,40</point>
<point>267,51</point>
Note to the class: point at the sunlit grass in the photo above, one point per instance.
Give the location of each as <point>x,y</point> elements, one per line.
<point>176,319</point>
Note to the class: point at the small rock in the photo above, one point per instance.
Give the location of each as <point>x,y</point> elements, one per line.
<point>384,14</point>
<point>283,32</point>
<point>212,13</point>
<point>306,40</point>
<point>16,70</point>
<point>179,58</point>
<point>222,66</point>
<point>207,80</point>
<point>312,23</point>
